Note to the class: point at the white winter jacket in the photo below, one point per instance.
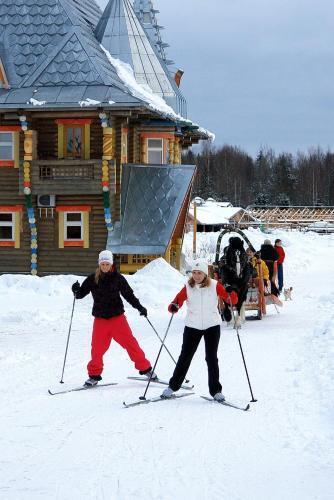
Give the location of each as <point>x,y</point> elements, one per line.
<point>202,304</point>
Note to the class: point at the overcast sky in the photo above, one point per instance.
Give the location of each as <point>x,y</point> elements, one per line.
<point>257,72</point>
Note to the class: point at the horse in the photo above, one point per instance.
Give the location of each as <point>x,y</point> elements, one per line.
<point>235,271</point>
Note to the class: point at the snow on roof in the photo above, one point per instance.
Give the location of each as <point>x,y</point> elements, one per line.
<point>214,212</point>
<point>145,93</point>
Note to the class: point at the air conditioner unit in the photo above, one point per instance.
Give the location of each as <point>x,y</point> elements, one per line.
<point>46,200</point>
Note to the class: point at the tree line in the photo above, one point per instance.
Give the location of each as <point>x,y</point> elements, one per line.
<point>229,174</point>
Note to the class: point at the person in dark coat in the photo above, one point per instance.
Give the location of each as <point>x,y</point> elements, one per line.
<point>106,286</point>
<point>270,256</point>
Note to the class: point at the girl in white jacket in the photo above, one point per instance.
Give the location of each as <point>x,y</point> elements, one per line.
<point>202,320</point>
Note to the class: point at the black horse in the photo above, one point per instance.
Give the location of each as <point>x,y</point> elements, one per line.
<point>235,271</point>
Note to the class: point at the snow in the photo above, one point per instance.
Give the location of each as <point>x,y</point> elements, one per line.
<point>86,446</point>
<point>145,93</point>
<point>214,212</point>
<point>89,102</point>
<point>35,102</point>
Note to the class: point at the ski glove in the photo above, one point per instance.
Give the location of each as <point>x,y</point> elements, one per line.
<point>143,311</point>
<point>173,308</point>
<point>75,288</point>
<point>229,289</point>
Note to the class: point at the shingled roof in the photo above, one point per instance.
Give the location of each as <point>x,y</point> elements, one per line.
<point>151,203</point>
<point>49,44</point>
<point>53,59</point>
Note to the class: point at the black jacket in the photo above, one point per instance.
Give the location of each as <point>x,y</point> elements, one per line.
<point>268,252</point>
<point>107,294</point>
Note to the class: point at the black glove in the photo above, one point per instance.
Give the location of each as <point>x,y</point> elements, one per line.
<point>173,308</point>
<point>143,311</point>
<point>75,288</point>
<point>229,289</point>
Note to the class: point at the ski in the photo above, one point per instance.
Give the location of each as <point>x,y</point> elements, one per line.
<point>155,400</point>
<point>159,381</point>
<point>226,403</point>
<point>82,388</point>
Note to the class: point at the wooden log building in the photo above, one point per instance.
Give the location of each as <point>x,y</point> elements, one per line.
<point>89,157</point>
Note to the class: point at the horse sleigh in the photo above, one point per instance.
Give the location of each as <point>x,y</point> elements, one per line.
<point>255,297</point>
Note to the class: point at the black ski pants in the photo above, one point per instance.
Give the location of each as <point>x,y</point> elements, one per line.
<point>191,340</point>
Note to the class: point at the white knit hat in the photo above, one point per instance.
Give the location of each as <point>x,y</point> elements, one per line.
<point>267,242</point>
<point>200,265</point>
<point>106,256</point>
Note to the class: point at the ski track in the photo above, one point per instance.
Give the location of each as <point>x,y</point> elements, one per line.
<point>87,446</point>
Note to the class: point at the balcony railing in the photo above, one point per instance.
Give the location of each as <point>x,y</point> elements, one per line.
<point>67,176</point>
<point>48,172</point>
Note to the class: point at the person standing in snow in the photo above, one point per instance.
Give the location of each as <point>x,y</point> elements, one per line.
<point>281,256</point>
<point>106,286</point>
<point>270,256</point>
<point>201,294</point>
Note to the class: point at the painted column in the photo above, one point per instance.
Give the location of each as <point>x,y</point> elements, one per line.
<point>171,147</point>
<point>29,155</point>
<point>108,155</point>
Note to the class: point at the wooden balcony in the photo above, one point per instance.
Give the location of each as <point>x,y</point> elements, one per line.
<point>67,176</point>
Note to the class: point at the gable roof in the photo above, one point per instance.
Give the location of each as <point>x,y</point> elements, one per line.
<point>121,33</point>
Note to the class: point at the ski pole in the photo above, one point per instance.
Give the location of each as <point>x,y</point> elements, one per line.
<point>155,331</point>
<point>253,400</point>
<point>68,339</point>
<point>143,397</point>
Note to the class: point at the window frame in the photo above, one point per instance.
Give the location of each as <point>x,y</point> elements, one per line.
<point>63,125</point>
<point>68,224</point>
<point>15,211</point>
<point>2,143</point>
<point>68,155</point>
<point>63,224</point>
<point>8,224</point>
<point>14,130</point>
<point>155,149</point>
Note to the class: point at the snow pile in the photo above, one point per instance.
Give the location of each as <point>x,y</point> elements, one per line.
<point>89,102</point>
<point>157,273</point>
<point>35,102</point>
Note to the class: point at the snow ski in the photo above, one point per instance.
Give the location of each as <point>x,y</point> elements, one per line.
<point>155,400</point>
<point>226,403</point>
<point>81,388</point>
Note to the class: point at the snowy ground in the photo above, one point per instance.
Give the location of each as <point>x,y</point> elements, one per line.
<point>86,446</point>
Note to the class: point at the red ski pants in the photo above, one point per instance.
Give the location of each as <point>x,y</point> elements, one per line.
<point>117,328</point>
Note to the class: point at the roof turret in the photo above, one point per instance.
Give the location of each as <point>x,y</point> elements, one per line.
<point>121,33</point>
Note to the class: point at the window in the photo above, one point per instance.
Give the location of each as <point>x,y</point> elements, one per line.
<point>155,149</point>
<point>6,146</point>
<point>6,227</point>
<point>10,225</point>
<point>74,142</point>
<point>10,146</point>
<point>74,138</point>
<point>73,226</point>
